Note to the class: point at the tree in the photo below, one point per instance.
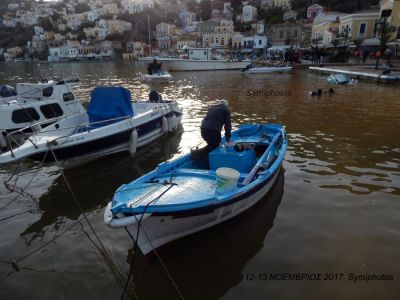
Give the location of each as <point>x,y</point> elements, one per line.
<point>335,44</point>
<point>82,7</point>
<point>358,42</point>
<point>236,5</point>
<point>114,37</point>
<point>191,5</point>
<point>273,15</point>
<point>205,9</point>
<point>45,23</point>
<point>385,31</point>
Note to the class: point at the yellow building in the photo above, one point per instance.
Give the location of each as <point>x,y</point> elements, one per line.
<point>358,25</point>
<point>391,8</point>
<point>323,23</point>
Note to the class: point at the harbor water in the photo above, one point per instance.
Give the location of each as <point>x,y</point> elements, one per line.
<point>329,229</point>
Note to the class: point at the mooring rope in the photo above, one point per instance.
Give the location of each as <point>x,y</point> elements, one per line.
<point>139,226</point>
<point>101,246</point>
<point>22,191</point>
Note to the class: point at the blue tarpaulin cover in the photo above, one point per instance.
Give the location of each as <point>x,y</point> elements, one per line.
<point>7,91</point>
<point>109,103</point>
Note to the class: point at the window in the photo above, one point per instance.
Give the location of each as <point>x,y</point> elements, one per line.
<point>68,97</point>
<point>363,27</point>
<point>47,92</point>
<point>25,115</point>
<point>51,110</point>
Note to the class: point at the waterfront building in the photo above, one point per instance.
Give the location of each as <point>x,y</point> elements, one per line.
<point>96,33</point>
<point>390,9</point>
<point>110,9</point>
<point>206,26</point>
<point>75,20</point>
<point>164,34</point>
<point>287,34</point>
<point>285,4</point>
<point>54,54</point>
<point>290,15</point>
<point>313,11</point>
<point>135,49</point>
<point>13,6</point>
<point>221,37</point>
<point>259,27</point>
<point>93,15</point>
<point>267,3</point>
<point>13,53</point>
<point>187,18</point>
<point>227,8</point>
<point>325,22</point>
<point>237,41</point>
<point>186,43</point>
<point>118,26</point>
<point>360,25</point>
<point>249,14</point>
<point>260,42</point>
<point>136,6</point>
<point>9,21</point>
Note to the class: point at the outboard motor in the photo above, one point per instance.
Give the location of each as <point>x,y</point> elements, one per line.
<point>7,91</point>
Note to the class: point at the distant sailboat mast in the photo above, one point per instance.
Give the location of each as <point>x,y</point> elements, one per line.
<point>148,26</point>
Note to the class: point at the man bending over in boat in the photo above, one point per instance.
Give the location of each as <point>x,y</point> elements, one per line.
<point>218,116</point>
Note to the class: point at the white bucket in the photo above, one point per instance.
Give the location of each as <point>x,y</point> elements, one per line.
<point>226,180</point>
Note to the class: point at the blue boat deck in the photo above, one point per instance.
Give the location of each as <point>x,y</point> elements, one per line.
<point>188,183</point>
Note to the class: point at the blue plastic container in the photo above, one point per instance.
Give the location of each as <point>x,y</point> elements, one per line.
<point>242,161</point>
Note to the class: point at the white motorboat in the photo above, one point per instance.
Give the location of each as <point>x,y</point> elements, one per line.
<point>113,123</point>
<point>32,103</point>
<point>198,59</point>
<point>159,77</point>
<point>262,70</point>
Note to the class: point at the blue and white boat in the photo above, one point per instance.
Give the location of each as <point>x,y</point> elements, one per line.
<point>188,195</point>
<point>112,123</point>
<point>338,78</point>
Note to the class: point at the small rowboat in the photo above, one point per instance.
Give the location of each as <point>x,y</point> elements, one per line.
<point>160,77</point>
<point>188,195</point>
<point>338,79</point>
<point>261,70</point>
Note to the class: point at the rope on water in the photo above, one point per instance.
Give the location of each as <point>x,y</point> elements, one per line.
<point>3,218</point>
<point>139,226</point>
<point>100,245</point>
<point>22,190</point>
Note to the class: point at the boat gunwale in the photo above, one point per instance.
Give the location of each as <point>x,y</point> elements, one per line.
<point>213,202</point>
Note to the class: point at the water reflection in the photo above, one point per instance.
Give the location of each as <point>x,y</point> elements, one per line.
<point>207,264</point>
<point>342,176</point>
<point>94,185</point>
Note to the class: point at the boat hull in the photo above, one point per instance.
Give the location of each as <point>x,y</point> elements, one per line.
<point>158,230</point>
<point>156,78</point>
<point>201,65</point>
<point>263,70</point>
<point>70,148</point>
